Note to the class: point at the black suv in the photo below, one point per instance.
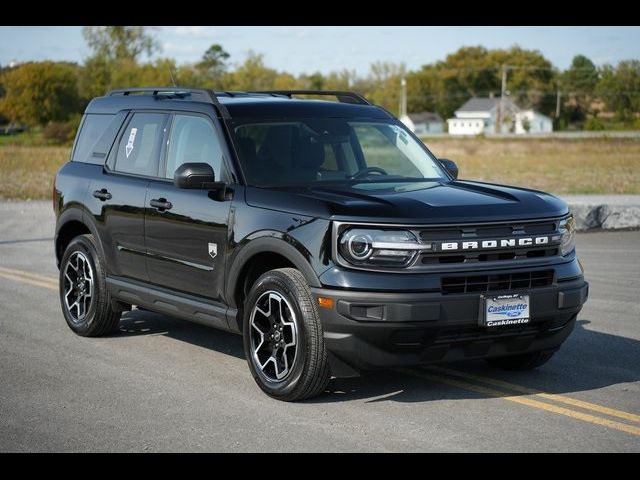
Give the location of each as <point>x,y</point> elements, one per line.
<point>324,232</point>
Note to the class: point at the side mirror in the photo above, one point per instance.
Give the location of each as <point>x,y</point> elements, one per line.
<point>450,166</point>
<point>194,175</point>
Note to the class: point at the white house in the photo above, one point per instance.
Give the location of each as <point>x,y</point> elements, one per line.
<point>530,121</point>
<point>480,116</point>
<point>423,123</point>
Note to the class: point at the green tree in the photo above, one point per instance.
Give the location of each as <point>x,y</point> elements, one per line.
<point>95,77</point>
<point>530,80</point>
<point>252,74</point>
<point>213,63</point>
<point>619,87</point>
<point>578,83</point>
<point>477,72</point>
<point>342,80</point>
<point>41,92</point>
<point>426,92</point>
<point>315,81</point>
<point>382,84</point>
<point>120,43</point>
<point>113,63</point>
<point>468,72</point>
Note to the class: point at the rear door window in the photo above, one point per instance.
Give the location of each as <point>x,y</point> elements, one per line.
<point>139,146</point>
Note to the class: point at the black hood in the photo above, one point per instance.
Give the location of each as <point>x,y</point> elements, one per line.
<point>420,202</point>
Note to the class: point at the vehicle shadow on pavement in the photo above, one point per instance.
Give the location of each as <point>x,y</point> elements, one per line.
<point>588,360</point>
<point>142,322</point>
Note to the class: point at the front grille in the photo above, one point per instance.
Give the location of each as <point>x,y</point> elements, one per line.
<point>485,256</point>
<point>496,283</point>
<point>487,232</point>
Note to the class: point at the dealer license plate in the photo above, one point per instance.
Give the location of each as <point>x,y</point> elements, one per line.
<point>501,310</point>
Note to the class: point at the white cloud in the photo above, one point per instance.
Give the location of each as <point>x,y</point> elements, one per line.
<point>171,47</point>
<point>193,31</point>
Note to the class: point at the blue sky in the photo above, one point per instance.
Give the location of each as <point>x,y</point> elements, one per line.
<point>307,49</point>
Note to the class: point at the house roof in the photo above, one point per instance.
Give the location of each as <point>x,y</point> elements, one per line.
<point>423,117</point>
<point>476,104</point>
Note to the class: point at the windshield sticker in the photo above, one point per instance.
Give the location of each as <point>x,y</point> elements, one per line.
<point>132,139</point>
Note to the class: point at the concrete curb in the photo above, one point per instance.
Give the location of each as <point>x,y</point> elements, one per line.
<point>607,212</point>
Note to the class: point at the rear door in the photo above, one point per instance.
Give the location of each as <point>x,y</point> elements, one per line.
<point>117,197</point>
<point>186,240</point>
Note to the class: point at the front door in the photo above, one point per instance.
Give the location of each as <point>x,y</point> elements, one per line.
<point>186,230</point>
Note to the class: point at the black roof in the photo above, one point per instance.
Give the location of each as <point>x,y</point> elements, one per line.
<point>238,104</point>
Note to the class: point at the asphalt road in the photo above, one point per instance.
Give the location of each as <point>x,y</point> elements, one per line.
<point>166,385</point>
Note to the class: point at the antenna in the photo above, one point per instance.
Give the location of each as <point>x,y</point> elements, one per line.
<point>173,81</point>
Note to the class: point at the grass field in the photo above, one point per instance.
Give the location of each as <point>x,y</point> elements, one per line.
<point>27,172</point>
<point>560,166</point>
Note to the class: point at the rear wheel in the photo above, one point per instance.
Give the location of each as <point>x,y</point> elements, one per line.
<point>283,337</point>
<point>85,302</point>
<point>525,361</point>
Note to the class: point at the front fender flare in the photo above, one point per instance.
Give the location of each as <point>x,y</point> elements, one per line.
<point>268,244</point>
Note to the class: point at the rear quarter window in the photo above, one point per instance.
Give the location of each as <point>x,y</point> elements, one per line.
<point>92,129</point>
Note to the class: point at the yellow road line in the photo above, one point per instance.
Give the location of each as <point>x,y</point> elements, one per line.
<point>549,396</point>
<point>585,417</point>
<point>29,278</point>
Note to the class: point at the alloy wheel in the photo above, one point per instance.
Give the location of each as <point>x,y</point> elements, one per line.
<point>273,336</point>
<point>78,286</point>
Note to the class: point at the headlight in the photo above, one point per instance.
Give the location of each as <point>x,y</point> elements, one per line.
<point>390,248</point>
<point>568,232</point>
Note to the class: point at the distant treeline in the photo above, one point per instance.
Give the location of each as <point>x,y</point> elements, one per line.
<point>584,95</point>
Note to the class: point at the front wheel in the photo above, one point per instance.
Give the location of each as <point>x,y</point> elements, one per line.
<point>524,361</point>
<point>283,337</point>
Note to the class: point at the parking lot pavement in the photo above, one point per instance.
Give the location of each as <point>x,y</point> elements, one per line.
<point>165,385</point>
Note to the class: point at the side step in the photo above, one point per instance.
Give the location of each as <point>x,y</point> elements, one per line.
<point>164,301</point>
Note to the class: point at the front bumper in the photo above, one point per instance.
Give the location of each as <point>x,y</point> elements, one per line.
<point>371,330</point>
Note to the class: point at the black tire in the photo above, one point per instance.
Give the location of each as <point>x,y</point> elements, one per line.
<point>309,373</point>
<point>525,361</point>
<point>99,318</point>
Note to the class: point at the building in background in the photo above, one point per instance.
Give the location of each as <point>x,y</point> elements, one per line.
<point>530,121</point>
<point>423,123</point>
<point>481,116</point>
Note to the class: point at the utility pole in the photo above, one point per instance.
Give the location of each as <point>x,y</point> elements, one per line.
<point>502,95</point>
<point>403,97</point>
<point>558,104</point>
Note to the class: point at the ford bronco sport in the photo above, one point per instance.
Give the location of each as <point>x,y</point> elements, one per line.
<point>323,231</point>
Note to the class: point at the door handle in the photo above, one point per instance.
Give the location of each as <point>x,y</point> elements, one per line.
<point>102,194</point>
<point>161,204</point>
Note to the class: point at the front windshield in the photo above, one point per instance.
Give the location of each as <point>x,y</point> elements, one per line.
<point>308,152</point>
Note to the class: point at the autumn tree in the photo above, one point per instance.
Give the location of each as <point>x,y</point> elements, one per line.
<point>120,43</point>
<point>382,84</point>
<point>41,92</point>
<point>116,51</point>
<point>252,74</point>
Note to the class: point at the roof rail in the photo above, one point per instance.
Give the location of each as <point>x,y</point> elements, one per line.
<point>342,96</point>
<point>204,95</point>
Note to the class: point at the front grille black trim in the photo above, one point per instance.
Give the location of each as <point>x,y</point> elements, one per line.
<point>496,282</point>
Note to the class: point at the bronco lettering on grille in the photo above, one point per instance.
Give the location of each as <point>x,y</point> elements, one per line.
<point>497,243</point>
